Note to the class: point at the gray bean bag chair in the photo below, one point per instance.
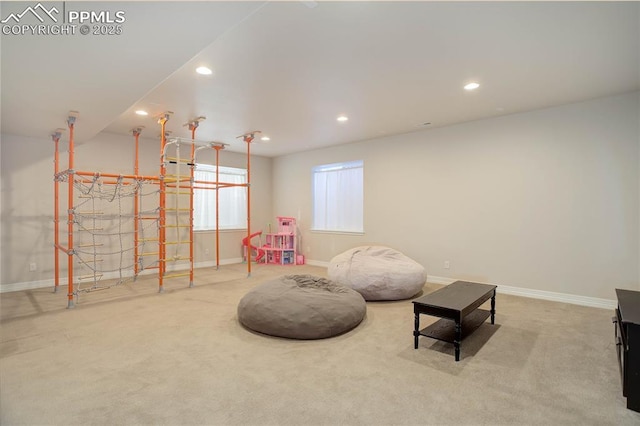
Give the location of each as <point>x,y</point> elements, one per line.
<point>378,273</point>
<point>301,307</point>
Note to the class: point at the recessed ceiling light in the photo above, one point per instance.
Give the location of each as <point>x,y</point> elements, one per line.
<point>342,118</point>
<point>265,138</point>
<point>204,71</point>
<point>471,86</point>
<point>142,112</point>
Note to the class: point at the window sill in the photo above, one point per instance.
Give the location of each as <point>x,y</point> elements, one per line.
<point>221,230</point>
<point>322,231</point>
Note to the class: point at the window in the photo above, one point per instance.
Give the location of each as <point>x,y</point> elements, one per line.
<point>233,200</point>
<point>338,197</point>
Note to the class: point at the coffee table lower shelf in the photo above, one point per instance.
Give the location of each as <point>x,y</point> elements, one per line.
<point>445,329</point>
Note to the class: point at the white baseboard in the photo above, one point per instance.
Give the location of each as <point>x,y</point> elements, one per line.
<point>593,302</point>
<point>573,299</point>
<point>32,285</point>
<point>504,289</point>
<point>317,263</point>
<point>439,280</point>
<point>29,285</point>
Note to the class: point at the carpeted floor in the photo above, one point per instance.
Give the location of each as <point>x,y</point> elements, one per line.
<point>129,356</point>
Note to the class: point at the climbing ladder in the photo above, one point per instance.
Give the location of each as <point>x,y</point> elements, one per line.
<point>175,224</point>
<point>177,211</point>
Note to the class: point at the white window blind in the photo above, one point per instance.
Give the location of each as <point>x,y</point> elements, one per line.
<point>338,197</point>
<point>233,200</point>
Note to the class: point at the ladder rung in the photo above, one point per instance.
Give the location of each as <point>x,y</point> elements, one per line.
<point>150,253</point>
<point>149,218</point>
<point>176,226</point>
<point>184,274</point>
<point>151,267</point>
<point>177,242</point>
<point>181,160</point>
<point>148,239</point>
<point>91,276</point>
<point>178,176</point>
<point>185,209</point>
<point>178,180</point>
<point>178,192</point>
<point>90,245</point>
<point>177,258</point>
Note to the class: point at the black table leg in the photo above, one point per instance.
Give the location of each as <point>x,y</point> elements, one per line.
<point>416,330</point>
<point>457,339</point>
<point>493,307</point>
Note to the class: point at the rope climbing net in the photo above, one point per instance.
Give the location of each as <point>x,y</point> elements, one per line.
<point>104,218</point>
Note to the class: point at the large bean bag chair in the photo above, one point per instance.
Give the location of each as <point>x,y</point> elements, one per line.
<point>378,273</point>
<point>301,307</point>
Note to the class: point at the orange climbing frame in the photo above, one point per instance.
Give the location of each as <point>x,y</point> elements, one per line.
<point>74,176</point>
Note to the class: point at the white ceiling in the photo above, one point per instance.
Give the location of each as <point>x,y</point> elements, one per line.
<point>289,69</point>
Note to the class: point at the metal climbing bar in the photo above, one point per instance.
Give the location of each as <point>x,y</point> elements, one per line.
<point>162,217</point>
<point>70,215</point>
<point>248,138</point>
<point>56,214</point>
<point>136,202</point>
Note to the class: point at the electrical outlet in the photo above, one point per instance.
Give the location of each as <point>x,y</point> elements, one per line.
<point>33,266</point>
<point>446,264</point>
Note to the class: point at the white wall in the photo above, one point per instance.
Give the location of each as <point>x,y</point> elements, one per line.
<point>28,200</point>
<point>27,208</point>
<point>545,200</point>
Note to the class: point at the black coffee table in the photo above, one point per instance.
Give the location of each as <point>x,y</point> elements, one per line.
<point>457,305</point>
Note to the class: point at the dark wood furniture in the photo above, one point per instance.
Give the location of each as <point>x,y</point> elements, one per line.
<point>627,334</point>
<point>457,305</point>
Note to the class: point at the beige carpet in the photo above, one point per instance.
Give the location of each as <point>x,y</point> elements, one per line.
<point>129,355</point>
